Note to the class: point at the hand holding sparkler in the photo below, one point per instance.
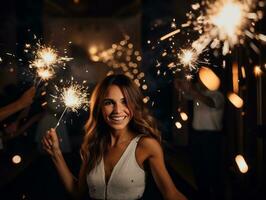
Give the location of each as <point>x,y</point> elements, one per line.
<point>50,142</point>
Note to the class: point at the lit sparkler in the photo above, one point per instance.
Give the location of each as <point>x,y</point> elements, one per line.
<point>45,60</point>
<point>189,77</point>
<point>226,23</point>
<point>223,23</point>
<point>47,57</point>
<point>73,97</point>
<point>188,58</point>
<point>45,73</point>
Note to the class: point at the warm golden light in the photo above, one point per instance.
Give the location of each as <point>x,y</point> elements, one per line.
<point>235,77</point>
<point>144,87</point>
<point>257,71</point>
<point>262,37</point>
<point>189,77</point>
<point>45,74</point>
<point>188,58</point>
<point>121,55</point>
<point>146,99</point>
<point>183,116</point>
<point>228,19</point>
<point>224,24</point>
<point>16,159</point>
<point>209,78</point>
<point>170,34</point>
<point>38,63</point>
<point>241,163</point>
<point>93,50</point>
<point>74,97</point>
<point>47,55</point>
<point>178,125</point>
<point>235,99</point>
<point>243,71</point>
<point>71,98</point>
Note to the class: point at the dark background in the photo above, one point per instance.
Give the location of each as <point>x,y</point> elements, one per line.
<point>87,22</point>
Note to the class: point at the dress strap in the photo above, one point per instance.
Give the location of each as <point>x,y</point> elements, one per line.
<point>137,138</point>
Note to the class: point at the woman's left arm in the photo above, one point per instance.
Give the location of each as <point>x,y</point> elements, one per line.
<point>159,172</point>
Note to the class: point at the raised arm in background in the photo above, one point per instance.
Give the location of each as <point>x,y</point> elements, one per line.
<point>25,100</point>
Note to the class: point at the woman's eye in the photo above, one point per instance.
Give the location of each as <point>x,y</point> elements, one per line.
<point>106,103</point>
<point>123,101</point>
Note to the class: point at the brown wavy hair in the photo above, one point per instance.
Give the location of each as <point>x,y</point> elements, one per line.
<point>97,136</point>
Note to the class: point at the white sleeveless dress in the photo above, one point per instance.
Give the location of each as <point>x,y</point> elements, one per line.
<point>127,180</point>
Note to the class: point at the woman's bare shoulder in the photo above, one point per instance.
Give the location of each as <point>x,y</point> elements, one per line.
<point>149,144</point>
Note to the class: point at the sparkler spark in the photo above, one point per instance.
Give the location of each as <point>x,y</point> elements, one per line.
<point>46,57</point>
<point>170,34</point>
<point>74,97</point>
<point>223,24</point>
<point>189,77</point>
<point>220,25</point>
<point>229,19</point>
<point>188,58</point>
<point>44,60</point>
<point>45,73</point>
<point>226,24</point>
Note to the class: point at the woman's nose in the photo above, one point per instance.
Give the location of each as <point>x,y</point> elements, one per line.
<point>117,108</point>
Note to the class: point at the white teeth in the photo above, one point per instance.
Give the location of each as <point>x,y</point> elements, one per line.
<point>117,118</point>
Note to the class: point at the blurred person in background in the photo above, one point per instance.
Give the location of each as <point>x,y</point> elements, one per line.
<point>206,137</point>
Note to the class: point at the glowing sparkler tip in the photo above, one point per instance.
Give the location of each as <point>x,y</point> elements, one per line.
<point>45,74</point>
<point>229,18</point>
<point>75,97</point>
<point>188,58</point>
<point>47,55</point>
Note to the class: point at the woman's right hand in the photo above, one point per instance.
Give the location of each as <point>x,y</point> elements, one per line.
<point>50,142</point>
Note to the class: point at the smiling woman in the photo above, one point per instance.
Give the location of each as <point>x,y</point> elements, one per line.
<point>115,111</point>
<point>120,137</point>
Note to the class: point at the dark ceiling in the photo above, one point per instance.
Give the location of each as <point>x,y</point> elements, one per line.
<point>99,8</point>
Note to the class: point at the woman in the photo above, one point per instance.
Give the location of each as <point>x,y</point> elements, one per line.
<point>120,137</point>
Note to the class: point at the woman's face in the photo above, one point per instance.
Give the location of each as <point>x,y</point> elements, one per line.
<point>115,110</point>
